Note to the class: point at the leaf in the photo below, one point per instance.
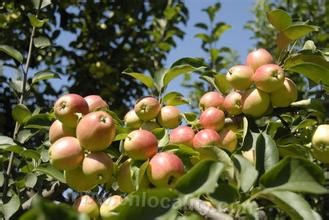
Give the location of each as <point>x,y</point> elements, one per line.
<point>44,75</point>
<point>35,22</point>
<point>12,52</point>
<point>51,171</point>
<point>146,80</point>
<point>220,29</point>
<point>309,45</point>
<point>279,19</point>
<point>246,173</point>
<point>25,134</point>
<point>2,179</point>
<point>4,140</point>
<point>295,174</point>
<point>12,148</point>
<point>296,31</point>
<point>221,83</point>
<point>201,26</point>
<point>175,71</point>
<point>10,208</point>
<point>204,37</point>
<point>39,121</point>
<point>44,3</point>
<point>29,153</point>
<point>174,98</point>
<point>41,42</point>
<point>247,137</point>
<point>120,136</point>
<point>30,180</point>
<point>195,62</point>
<point>225,192</point>
<point>21,113</point>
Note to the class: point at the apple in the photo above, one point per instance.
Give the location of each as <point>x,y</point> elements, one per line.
<point>68,107</point>
<point>58,130</point>
<point>108,205</point>
<point>229,139</point>
<point>78,181</point>
<point>206,137</point>
<point>240,76</point>
<point>150,125</point>
<point>250,155</point>
<point>87,205</point>
<point>321,155</point>
<point>169,117</point>
<point>95,103</point>
<point>164,169</point>
<point>140,145</point>
<point>320,139</point>
<point>212,118</point>
<point>132,120</point>
<point>269,77</point>
<point>96,131</point>
<point>182,135</point>
<point>147,108</point>
<point>255,102</point>
<point>66,153</point>
<point>211,99</point>
<point>98,165</point>
<point>232,103</point>
<point>258,58</point>
<point>285,95</point>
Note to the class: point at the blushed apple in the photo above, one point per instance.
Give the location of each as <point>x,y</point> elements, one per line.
<point>285,95</point>
<point>132,120</point>
<point>255,102</point>
<point>206,137</point>
<point>182,135</point>
<point>95,103</point>
<point>147,108</point>
<point>269,77</point>
<point>98,165</point>
<point>169,117</point>
<point>240,76</point>
<point>258,58</point>
<point>211,99</point>
<point>232,103</point>
<point>212,118</point>
<point>87,205</point>
<point>58,130</point>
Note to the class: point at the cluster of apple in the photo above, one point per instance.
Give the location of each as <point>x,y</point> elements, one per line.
<point>258,86</point>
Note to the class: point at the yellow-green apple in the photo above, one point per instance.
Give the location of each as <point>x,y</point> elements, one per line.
<point>78,181</point>
<point>232,103</point>
<point>255,102</point>
<point>258,58</point>
<point>68,107</point>
<point>87,205</point>
<point>95,103</point>
<point>108,205</point>
<point>147,108</point>
<point>66,153</point>
<point>132,120</point>
<point>211,99</point>
<point>321,155</point>
<point>320,139</point>
<point>285,95</point>
<point>169,117</point>
<point>229,139</point>
<point>212,118</point>
<point>140,144</point>
<point>269,77</point>
<point>240,76</point>
<point>98,165</point>
<point>164,169</point>
<point>206,137</point>
<point>96,131</point>
<point>58,130</point>
<point>182,135</point>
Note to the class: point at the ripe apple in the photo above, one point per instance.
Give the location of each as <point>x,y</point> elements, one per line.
<point>240,76</point>
<point>87,205</point>
<point>164,169</point>
<point>98,165</point>
<point>269,77</point>
<point>95,103</point>
<point>169,117</point>
<point>182,135</point>
<point>212,118</point>
<point>147,108</point>
<point>96,131</point>
<point>132,120</point>
<point>258,58</point>
<point>211,99</point>
<point>78,181</point>
<point>232,103</point>
<point>285,95</point>
<point>320,139</point>
<point>66,153</point>
<point>229,140</point>
<point>108,205</point>
<point>140,144</point>
<point>58,130</point>
<point>255,102</point>
<point>206,137</point>
<point>150,125</point>
<point>68,107</point>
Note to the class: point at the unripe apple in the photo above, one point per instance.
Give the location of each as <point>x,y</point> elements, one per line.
<point>150,125</point>
<point>240,76</point>
<point>147,108</point>
<point>58,130</point>
<point>212,118</point>
<point>320,139</point>
<point>96,131</point>
<point>132,120</point>
<point>140,144</point>
<point>285,95</point>
<point>255,102</point>
<point>169,117</point>
<point>321,155</point>
<point>78,181</point>
<point>269,77</point>
<point>87,205</point>
<point>182,135</point>
<point>98,165</point>
<point>211,99</point>
<point>95,103</point>
<point>206,137</point>
<point>68,107</point>
<point>258,58</point>
<point>108,205</point>
<point>164,169</point>
<point>229,139</point>
<point>232,103</point>
<point>66,153</point>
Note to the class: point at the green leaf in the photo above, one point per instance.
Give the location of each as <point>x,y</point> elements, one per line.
<point>247,137</point>
<point>21,113</point>
<point>29,153</point>
<point>44,3</point>
<point>4,140</point>
<point>35,22</point>
<point>12,52</point>
<point>225,192</point>
<point>200,179</point>
<point>146,80</point>
<point>120,136</point>
<point>246,173</point>
<point>190,117</point>
<point>204,37</point>
<point>295,174</point>
<point>296,31</point>
<point>309,45</point>
<point>195,62</point>
<point>39,121</point>
<point>2,179</point>
<point>44,75</point>
<point>51,171</point>
<point>10,208</point>
<point>174,98</point>
<point>212,10</point>
<point>201,26</point>
<point>41,42</point>
<point>279,19</point>
<point>30,180</point>
<point>12,148</point>
<point>25,134</point>
<point>220,28</point>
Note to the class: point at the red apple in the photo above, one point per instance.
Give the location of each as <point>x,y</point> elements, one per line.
<point>182,135</point>
<point>78,181</point>
<point>229,140</point>
<point>212,118</point>
<point>164,169</point>
<point>285,95</point>
<point>211,99</point>
<point>58,130</point>
<point>68,107</point>
<point>108,205</point>
<point>255,102</point>
<point>95,103</point>
<point>98,165</point>
<point>258,58</point>
<point>132,120</point>
<point>169,117</point>
<point>87,205</point>
<point>232,103</point>
<point>66,153</point>
<point>96,131</point>
<point>269,77</point>
<point>147,108</point>
<point>206,137</point>
<point>240,76</point>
